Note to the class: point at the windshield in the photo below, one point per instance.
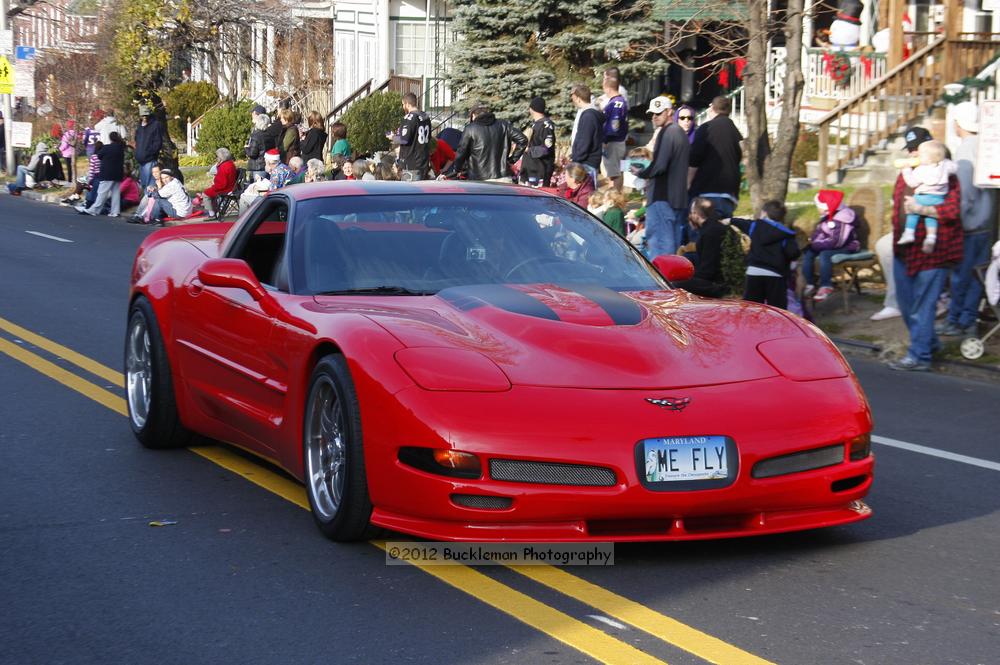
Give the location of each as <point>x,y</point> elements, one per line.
<point>419,245</point>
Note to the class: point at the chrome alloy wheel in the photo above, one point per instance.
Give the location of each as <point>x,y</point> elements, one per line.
<point>138,372</point>
<point>326,449</point>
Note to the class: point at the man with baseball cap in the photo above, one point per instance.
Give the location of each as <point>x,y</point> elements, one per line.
<point>666,191</point>
<point>977,214</point>
<point>920,275</point>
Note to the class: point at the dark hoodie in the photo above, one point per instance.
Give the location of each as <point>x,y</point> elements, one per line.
<point>772,244</point>
<point>485,150</point>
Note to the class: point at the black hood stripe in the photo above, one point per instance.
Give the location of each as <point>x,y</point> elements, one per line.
<point>502,297</point>
<point>623,311</point>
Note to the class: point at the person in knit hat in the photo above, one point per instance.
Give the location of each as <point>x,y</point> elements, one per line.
<point>836,233</point>
<point>539,160</point>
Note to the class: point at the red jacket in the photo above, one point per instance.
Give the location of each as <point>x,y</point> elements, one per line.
<point>581,195</point>
<point>225,179</point>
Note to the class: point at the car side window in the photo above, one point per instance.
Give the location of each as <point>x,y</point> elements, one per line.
<point>262,245</point>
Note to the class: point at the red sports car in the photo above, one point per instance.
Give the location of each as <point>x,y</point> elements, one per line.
<point>487,362</point>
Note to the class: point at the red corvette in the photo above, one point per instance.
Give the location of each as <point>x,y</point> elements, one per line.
<point>483,362</point>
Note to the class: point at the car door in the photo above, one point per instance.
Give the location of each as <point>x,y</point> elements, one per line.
<point>224,338</point>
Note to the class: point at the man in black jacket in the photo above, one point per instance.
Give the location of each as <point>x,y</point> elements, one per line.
<point>486,151</point>
<point>588,132</point>
<point>413,139</point>
<point>666,187</point>
<point>715,159</point>
<point>539,160</point>
<point>148,142</point>
<point>707,280</point>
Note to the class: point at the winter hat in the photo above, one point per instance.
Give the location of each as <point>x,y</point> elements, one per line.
<point>71,124</point>
<point>967,117</point>
<point>537,105</point>
<point>272,155</point>
<point>829,200</point>
<point>259,110</point>
<point>97,115</point>
<point>915,136</point>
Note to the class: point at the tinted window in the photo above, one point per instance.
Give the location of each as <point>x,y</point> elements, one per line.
<point>427,243</point>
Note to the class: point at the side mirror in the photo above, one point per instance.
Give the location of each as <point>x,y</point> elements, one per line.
<point>231,273</point>
<point>674,268</point>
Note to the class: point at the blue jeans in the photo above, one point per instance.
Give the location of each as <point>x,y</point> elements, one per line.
<point>22,174</point>
<point>92,194</point>
<point>930,223</point>
<point>664,228</point>
<point>965,288</point>
<point>825,266</point>
<point>918,296</point>
<point>162,209</point>
<point>145,175</point>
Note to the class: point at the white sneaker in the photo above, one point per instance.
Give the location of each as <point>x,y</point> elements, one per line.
<point>886,313</point>
<point>929,242</point>
<point>909,235</point>
<point>823,293</point>
<point>809,290</point>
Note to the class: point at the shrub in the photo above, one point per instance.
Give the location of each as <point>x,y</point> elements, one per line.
<point>370,118</point>
<point>806,150</point>
<point>188,100</point>
<point>227,126</point>
<point>734,262</point>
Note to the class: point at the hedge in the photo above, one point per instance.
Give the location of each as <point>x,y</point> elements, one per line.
<point>227,126</point>
<point>188,100</point>
<point>368,120</point>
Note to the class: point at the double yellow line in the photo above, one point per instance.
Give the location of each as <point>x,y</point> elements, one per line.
<point>560,626</point>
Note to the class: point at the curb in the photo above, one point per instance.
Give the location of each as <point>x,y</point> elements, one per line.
<point>38,196</point>
<point>957,367</point>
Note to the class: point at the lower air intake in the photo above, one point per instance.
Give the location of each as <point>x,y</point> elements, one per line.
<point>550,473</point>
<point>482,502</point>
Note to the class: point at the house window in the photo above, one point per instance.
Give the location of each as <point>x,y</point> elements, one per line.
<point>409,55</point>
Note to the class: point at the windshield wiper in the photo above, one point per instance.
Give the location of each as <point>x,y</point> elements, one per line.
<point>386,290</point>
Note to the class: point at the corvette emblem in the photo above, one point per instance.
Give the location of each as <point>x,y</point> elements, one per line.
<point>670,403</point>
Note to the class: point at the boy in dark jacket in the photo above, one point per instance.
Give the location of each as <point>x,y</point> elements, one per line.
<point>772,250</point>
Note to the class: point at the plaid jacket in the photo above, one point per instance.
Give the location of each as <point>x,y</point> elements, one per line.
<point>948,248</point>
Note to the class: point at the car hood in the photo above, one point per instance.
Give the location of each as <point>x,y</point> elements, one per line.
<point>588,337</point>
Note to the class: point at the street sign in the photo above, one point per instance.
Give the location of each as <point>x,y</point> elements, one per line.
<point>25,53</point>
<point>988,157</point>
<point>20,134</point>
<point>6,76</point>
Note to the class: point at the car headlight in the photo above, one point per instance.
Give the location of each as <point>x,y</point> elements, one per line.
<point>447,369</point>
<point>804,358</point>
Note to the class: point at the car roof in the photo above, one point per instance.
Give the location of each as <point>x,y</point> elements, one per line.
<point>302,192</point>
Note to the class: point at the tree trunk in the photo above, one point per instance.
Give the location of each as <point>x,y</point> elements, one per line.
<point>756,145</point>
<point>778,165</point>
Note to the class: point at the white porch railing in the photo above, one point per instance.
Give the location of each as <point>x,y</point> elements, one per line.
<point>194,126</point>
<point>863,70</point>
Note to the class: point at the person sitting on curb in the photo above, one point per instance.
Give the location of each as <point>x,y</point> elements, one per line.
<point>170,200</point>
<point>21,182</point>
<point>835,233</point>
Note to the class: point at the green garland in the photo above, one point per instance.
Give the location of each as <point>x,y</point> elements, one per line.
<point>969,84</point>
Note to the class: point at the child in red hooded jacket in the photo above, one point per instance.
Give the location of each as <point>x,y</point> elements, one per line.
<point>835,233</point>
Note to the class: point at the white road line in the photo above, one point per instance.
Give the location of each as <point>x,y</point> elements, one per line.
<point>46,235</point>
<point>934,452</point>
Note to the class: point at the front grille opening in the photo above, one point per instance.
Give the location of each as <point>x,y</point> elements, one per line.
<point>806,460</point>
<point>628,527</point>
<point>848,483</point>
<point>551,473</point>
<point>715,523</point>
<point>482,502</point>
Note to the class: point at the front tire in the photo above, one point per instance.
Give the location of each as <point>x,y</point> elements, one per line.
<point>152,406</point>
<point>333,454</point>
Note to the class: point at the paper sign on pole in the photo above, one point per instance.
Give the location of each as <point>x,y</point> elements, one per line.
<point>24,79</point>
<point>20,134</point>
<point>988,157</point>
<point>6,76</point>
<point>6,42</point>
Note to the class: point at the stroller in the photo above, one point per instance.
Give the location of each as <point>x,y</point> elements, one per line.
<point>973,347</point>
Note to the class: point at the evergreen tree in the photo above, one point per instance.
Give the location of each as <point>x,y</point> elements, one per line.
<point>512,50</point>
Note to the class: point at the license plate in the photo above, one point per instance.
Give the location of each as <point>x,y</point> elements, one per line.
<point>683,458</point>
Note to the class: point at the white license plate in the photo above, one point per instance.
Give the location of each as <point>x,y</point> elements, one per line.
<point>685,458</point>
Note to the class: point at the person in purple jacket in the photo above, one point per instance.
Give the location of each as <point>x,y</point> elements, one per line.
<point>835,233</point>
<point>615,131</point>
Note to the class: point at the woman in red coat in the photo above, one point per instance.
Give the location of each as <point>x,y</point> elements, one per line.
<point>225,180</point>
<point>579,185</point>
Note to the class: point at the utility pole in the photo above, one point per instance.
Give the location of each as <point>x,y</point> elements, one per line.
<point>7,120</point>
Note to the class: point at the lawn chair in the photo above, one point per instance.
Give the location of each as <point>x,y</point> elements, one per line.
<point>226,201</point>
<point>868,205</point>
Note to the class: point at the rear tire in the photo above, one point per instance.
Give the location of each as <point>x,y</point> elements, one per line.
<point>152,405</point>
<point>333,454</point>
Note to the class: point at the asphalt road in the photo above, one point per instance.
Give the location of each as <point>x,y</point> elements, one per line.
<point>244,577</point>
